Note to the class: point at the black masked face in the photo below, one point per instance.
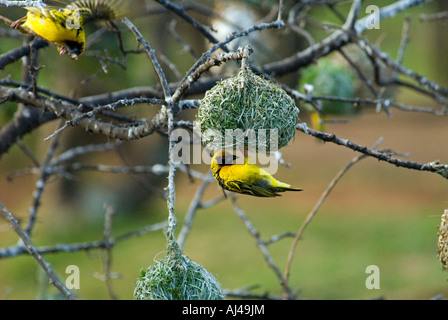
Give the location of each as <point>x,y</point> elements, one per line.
<point>74,48</point>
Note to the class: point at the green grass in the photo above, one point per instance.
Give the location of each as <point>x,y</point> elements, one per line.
<point>329,262</point>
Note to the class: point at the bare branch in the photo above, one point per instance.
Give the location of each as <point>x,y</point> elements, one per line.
<point>308,219</point>
<point>17,250</point>
<point>431,167</point>
<point>23,3</point>
<point>189,216</point>
<point>106,257</point>
<point>32,250</point>
<point>262,246</point>
<point>335,41</point>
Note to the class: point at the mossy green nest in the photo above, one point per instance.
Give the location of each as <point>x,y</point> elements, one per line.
<point>330,79</point>
<point>251,106</point>
<point>176,277</point>
<point>442,243</point>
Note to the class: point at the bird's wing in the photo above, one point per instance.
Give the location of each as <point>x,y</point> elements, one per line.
<point>101,9</point>
<point>251,189</point>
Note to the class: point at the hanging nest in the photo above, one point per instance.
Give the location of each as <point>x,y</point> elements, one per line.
<point>251,107</point>
<point>442,244</point>
<point>329,78</point>
<point>176,277</point>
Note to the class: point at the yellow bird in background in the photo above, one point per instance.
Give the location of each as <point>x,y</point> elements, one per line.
<point>245,178</point>
<point>64,25</point>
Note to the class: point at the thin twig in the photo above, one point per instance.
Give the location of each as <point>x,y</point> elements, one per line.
<point>45,173</point>
<point>313,212</point>
<point>32,250</point>
<point>308,219</point>
<point>387,157</point>
<point>245,293</point>
<point>333,42</point>
<point>17,250</point>
<point>168,113</point>
<point>189,216</point>
<point>181,13</point>
<point>261,244</point>
<point>106,256</point>
<point>23,3</point>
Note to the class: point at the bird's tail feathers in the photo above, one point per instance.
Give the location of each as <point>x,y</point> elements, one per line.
<point>281,186</point>
<point>291,189</point>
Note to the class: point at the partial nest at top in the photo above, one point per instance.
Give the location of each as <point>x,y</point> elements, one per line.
<point>247,111</point>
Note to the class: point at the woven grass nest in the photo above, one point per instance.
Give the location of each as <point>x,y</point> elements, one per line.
<point>442,243</point>
<point>247,102</point>
<point>176,277</point>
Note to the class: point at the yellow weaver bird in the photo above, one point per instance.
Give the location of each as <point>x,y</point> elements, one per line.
<point>64,25</point>
<point>245,178</point>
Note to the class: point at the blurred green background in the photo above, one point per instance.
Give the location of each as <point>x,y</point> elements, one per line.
<point>377,214</point>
